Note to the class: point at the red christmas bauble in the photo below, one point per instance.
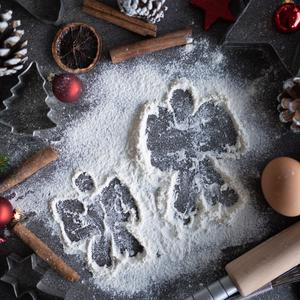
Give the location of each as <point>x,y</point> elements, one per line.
<point>67,87</point>
<point>6,212</point>
<point>287,18</point>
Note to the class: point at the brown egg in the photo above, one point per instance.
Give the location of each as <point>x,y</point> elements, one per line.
<point>280,183</point>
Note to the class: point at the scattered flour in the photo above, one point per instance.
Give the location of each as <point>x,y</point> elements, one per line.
<point>109,140</point>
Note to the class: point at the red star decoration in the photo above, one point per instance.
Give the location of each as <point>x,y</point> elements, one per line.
<point>214,10</point>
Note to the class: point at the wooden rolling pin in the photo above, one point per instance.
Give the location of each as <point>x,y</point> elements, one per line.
<point>32,165</point>
<point>266,262</point>
<point>257,268</point>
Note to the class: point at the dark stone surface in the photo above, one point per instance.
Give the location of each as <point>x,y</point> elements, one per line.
<point>245,63</point>
<point>49,12</point>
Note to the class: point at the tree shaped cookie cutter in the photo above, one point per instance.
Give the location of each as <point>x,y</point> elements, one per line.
<point>24,112</point>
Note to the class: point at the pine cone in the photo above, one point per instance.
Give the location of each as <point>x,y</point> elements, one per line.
<point>13,51</point>
<point>150,10</point>
<point>289,106</point>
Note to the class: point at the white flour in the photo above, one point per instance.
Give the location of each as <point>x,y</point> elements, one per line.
<point>109,140</point>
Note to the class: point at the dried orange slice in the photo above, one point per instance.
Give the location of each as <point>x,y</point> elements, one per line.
<point>77,48</point>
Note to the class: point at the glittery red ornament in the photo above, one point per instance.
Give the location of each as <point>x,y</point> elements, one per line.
<point>6,212</point>
<point>287,17</point>
<point>214,10</point>
<point>67,87</point>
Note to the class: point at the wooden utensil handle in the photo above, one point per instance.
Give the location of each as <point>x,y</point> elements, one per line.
<point>267,261</point>
<point>44,252</point>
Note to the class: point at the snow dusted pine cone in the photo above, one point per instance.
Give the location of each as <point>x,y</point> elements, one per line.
<point>150,10</point>
<point>13,50</point>
<point>289,106</point>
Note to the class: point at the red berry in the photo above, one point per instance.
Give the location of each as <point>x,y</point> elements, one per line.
<point>6,212</point>
<point>67,87</point>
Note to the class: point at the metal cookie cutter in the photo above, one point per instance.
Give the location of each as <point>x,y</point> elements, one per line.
<point>23,274</point>
<point>49,12</point>
<point>25,113</point>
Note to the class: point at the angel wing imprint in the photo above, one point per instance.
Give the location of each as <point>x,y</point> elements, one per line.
<point>100,219</point>
<point>185,141</point>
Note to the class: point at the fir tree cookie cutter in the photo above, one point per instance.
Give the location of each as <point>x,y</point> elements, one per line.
<point>24,111</point>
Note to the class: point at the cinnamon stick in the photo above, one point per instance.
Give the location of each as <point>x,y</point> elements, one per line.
<point>169,40</point>
<point>109,14</point>
<point>35,163</point>
<point>44,252</point>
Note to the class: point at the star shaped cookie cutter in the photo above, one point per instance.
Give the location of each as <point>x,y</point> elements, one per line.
<point>23,274</point>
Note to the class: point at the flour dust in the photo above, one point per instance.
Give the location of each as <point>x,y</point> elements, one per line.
<point>147,187</point>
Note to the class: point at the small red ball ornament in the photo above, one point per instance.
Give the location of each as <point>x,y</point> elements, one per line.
<point>67,87</point>
<point>6,212</point>
<point>287,17</point>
